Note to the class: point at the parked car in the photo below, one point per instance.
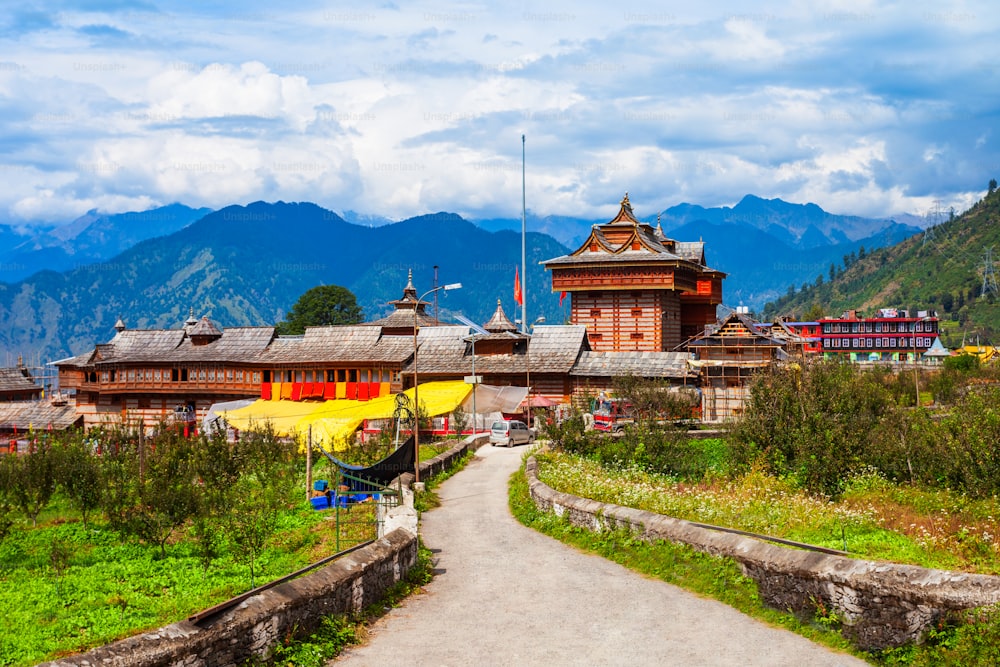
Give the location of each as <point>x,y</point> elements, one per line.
<point>510,432</point>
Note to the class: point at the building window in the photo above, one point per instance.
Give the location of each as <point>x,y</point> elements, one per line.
<point>868,342</point>
<point>156,375</point>
<point>826,328</point>
<point>892,342</point>
<point>595,312</point>
<point>352,375</point>
<point>203,374</point>
<point>256,376</point>
<point>637,312</point>
<point>394,375</point>
<point>635,335</point>
<point>596,336</point>
<point>341,375</point>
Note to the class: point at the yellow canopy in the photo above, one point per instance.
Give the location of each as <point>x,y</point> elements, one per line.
<point>333,422</point>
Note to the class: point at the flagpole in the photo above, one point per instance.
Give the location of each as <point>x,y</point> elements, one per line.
<point>524,266</point>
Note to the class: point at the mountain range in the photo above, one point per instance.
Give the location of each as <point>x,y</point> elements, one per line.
<point>65,287</point>
<point>949,269</point>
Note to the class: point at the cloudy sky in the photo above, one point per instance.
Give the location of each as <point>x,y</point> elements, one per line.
<point>398,109</point>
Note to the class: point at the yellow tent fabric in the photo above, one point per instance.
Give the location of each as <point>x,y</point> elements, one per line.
<point>333,422</point>
<point>984,352</point>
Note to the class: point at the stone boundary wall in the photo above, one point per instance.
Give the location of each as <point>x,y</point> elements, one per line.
<point>881,604</point>
<point>250,630</point>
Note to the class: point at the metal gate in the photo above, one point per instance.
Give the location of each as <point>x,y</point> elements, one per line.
<point>359,507</point>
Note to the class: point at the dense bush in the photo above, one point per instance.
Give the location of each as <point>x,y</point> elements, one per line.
<point>823,424</point>
<point>651,442</point>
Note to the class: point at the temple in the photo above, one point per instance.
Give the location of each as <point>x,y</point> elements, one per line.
<point>634,289</point>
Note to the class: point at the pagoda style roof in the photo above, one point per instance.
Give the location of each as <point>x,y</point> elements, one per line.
<point>403,310</point>
<point>499,322</point>
<point>204,327</point>
<point>626,240</point>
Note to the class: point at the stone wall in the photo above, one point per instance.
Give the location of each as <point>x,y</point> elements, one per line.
<point>881,604</point>
<point>251,629</point>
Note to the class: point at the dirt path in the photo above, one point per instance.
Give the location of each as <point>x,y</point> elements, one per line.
<point>506,595</point>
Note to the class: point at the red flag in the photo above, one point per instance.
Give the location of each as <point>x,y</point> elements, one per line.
<point>518,297</point>
<point>562,295</point>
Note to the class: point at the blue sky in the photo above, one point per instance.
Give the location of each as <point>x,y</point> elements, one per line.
<point>399,109</point>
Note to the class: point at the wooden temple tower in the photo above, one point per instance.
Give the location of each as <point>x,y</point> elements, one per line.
<point>634,289</point>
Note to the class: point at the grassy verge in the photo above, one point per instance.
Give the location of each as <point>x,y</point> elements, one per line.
<point>873,518</point>
<point>66,587</point>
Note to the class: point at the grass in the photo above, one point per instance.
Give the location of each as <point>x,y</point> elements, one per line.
<point>65,588</point>
<point>874,519</point>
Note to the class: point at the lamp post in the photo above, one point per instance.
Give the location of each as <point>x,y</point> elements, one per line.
<point>416,380</point>
<point>527,364</point>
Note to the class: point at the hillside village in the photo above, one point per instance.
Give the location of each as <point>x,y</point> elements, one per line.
<point>640,304</point>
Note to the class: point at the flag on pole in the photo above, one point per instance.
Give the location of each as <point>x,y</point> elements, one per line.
<point>562,295</point>
<point>518,297</point>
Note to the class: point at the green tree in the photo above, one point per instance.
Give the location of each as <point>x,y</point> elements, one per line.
<point>814,313</point>
<point>34,480</point>
<point>79,474</point>
<point>167,495</point>
<point>992,186</point>
<point>321,306</point>
<point>8,468</point>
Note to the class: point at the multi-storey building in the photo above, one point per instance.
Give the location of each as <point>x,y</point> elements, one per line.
<point>890,336</point>
<point>634,289</point>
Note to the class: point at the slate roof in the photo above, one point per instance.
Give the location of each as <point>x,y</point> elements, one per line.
<point>640,364</point>
<point>235,344</point>
<point>37,414</point>
<point>553,349</point>
<point>359,342</point>
<point>17,379</point>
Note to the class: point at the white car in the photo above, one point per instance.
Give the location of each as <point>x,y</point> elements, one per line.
<point>511,432</point>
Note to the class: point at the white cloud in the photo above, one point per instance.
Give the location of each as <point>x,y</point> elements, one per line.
<point>862,107</point>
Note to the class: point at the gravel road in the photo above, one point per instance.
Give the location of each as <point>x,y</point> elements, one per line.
<point>505,595</point>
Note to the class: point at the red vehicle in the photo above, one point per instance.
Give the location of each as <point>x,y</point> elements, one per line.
<point>613,414</point>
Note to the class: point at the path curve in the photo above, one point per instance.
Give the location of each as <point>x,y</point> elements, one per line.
<point>504,594</point>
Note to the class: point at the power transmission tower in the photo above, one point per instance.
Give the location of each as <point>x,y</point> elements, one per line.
<point>933,218</point>
<point>989,276</point>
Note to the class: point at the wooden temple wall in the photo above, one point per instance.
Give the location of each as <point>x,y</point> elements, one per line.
<point>629,321</point>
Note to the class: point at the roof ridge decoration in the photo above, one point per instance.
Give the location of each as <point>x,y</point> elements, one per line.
<point>499,322</point>
<point>625,214</point>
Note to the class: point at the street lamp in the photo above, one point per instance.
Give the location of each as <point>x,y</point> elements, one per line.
<point>476,331</point>
<point>416,381</point>
<point>527,364</point>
